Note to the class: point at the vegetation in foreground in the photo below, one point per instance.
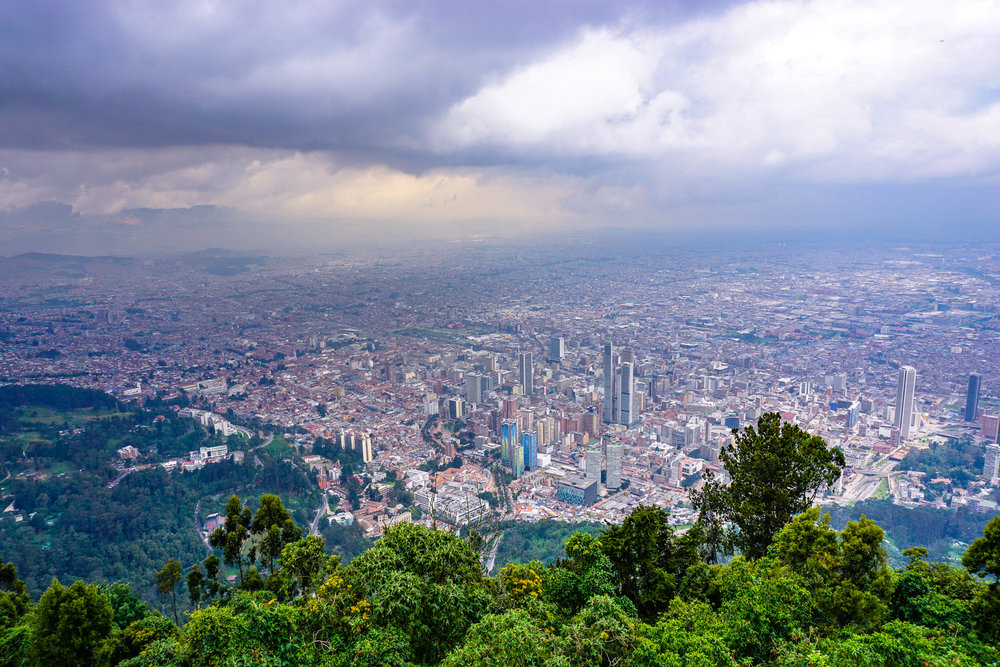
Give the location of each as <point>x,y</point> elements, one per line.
<point>800,593</point>
<point>637,594</point>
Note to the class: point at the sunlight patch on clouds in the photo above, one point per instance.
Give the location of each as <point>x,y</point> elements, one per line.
<point>285,186</point>
<point>834,89</point>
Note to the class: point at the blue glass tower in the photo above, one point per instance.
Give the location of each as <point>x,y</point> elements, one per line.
<point>529,441</point>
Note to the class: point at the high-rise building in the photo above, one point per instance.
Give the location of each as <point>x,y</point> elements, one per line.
<point>852,414</point>
<point>508,439</point>
<point>905,386</point>
<point>525,372</point>
<point>517,461</point>
<point>456,408</point>
<point>626,404</point>
<point>367,450</point>
<point>991,466</point>
<point>594,464</point>
<point>529,442</point>
<point>990,427</point>
<point>557,349</point>
<point>614,480</point>
<point>610,404</point>
<point>972,397</point>
<point>474,388</point>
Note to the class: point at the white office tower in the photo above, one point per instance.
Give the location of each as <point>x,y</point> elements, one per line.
<point>557,349</point>
<point>367,451</point>
<point>614,465</point>
<point>609,384</point>
<point>904,401</point>
<point>594,464</point>
<point>626,403</point>
<point>474,388</point>
<point>525,373</point>
<point>991,467</point>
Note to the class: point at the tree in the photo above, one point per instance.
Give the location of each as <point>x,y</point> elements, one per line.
<point>983,555</point>
<point>983,558</point>
<point>167,580</point>
<point>126,607</point>
<point>14,600</point>
<point>846,573</point>
<point>273,528</point>
<point>231,536</point>
<point>424,582</point>
<point>776,470</point>
<point>70,625</point>
<point>646,559</point>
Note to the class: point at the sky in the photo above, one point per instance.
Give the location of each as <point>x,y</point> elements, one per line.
<point>138,126</point>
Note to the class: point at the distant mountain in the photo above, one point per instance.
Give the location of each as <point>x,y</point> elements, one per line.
<point>54,258</point>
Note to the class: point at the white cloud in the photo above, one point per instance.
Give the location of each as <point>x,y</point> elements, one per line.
<point>288,187</point>
<point>827,90</point>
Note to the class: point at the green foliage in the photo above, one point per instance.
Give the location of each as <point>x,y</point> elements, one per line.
<point>819,597</point>
<point>688,634</point>
<point>70,625</point>
<point>232,536</point>
<point>929,527</point>
<point>273,528</point>
<point>647,560</point>
<point>958,460</point>
<point>347,542</point>
<point>846,574</point>
<point>424,582</point>
<point>983,555</point>
<point>304,567</point>
<point>126,607</point>
<point>510,639</point>
<point>167,580</point>
<point>14,598</point>
<point>776,471</point>
<point>542,540</point>
<point>763,606</point>
<point>139,635</point>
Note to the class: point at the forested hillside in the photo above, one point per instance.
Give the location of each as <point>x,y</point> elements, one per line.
<point>68,516</point>
<point>636,594</point>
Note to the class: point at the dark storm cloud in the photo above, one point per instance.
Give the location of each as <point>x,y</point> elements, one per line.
<point>349,76</point>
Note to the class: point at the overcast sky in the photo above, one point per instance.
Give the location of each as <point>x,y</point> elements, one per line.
<point>341,119</point>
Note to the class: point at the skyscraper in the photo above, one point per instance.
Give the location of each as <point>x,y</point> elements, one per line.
<point>474,388</point>
<point>367,451</point>
<point>614,465</point>
<point>525,372</point>
<point>609,385</point>
<point>529,442</point>
<point>991,465</point>
<point>972,397</point>
<point>517,461</point>
<point>508,439</point>
<point>594,464</point>
<point>905,386</point>
<point>557,349</point>
<point>990,427</point>
<point>626,405</point>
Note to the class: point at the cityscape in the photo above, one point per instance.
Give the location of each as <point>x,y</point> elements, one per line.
<point>577,385</point>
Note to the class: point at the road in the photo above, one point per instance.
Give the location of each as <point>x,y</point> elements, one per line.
<point>320,513</point>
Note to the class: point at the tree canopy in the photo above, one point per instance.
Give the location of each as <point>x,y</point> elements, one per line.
<point>775,471</point>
